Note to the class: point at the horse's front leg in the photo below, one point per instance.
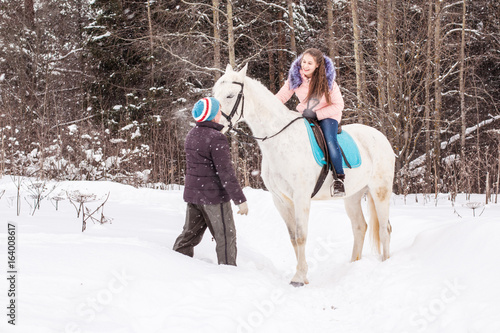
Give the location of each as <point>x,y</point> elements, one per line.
<point>296,217</point>
<point>299,245</point>
<point>298,237</point>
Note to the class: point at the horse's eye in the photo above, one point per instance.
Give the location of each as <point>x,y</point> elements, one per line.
<point>230,96</point>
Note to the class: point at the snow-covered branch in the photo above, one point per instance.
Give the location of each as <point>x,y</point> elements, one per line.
<point>421,159</point>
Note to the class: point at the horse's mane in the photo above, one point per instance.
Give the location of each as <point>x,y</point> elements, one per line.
<point>267,99</point>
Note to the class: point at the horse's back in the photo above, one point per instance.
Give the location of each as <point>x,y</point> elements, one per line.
<point>376,153</point>
<point>370,139</point>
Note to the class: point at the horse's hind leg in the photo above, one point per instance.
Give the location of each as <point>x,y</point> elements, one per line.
<point>381,202</point>
<point>354,211</point>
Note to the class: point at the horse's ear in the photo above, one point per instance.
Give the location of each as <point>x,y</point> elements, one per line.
<point>243,71</point>
<point>229,68</point>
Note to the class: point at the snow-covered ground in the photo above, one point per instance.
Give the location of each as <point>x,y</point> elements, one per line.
<point>443,275</point>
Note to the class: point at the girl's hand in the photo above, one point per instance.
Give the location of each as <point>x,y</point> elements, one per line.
<point>308,113</point>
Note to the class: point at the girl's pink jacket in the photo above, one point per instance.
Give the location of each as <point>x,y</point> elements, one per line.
<point>323,110</point>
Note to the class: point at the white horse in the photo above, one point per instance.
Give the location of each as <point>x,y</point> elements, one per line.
<point>290,172</point>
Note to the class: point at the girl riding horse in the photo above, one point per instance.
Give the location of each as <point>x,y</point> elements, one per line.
<point>312,79</point>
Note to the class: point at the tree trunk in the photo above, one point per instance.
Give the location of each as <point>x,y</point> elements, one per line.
<point>29,14</point>
<point>358,57</point>
<point>487,200</point>
<point>230,34</point>
<point>462,95</point>
<point>293,46</point>
<point>272,76</point>
<point>498,171</point>
<point>393,81</point>
<point>232,62</point>
<point>381,60</point>
<point>151,45</point>
<point>437,91</point>
<point>332,50</point>
<point>217,41</point>
<point>428,83</point>
<point>392,66</point>
<point>28,72</point>
<point>281,48</point>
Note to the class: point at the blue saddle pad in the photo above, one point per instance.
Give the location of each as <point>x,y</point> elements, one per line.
<point>349,147</point>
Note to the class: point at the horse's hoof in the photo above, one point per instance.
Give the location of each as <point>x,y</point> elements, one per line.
<point>297,284</point>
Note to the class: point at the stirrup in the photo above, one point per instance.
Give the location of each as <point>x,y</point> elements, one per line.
<point>337,189</point>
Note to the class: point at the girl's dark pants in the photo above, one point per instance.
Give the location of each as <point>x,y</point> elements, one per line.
<point>219,220</point>
<point>330,128</point>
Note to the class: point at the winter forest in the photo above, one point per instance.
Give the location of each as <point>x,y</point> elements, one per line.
<point>103,89</point>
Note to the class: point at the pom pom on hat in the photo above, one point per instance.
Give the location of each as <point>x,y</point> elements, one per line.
<point>205,109</point>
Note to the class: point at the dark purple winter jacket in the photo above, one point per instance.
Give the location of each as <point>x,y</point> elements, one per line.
<point>210,177</point>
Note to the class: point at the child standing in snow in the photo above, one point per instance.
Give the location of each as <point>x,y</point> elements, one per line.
<point>210,184</point>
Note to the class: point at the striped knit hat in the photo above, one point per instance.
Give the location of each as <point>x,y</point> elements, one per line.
<point>205,109</point>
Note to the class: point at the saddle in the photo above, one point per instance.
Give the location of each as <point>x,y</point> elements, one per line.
<point>320,139</point>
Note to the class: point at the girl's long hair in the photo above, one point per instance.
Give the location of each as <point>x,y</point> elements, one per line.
<point>319,84</point>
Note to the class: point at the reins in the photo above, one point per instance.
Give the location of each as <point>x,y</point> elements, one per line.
<point>241,98</point>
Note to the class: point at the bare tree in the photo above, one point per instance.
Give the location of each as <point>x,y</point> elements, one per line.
<point>151,45</point>
<point>217,40</point>
<point>29,13</point>
<point>438,89</point>
<point>281,49</point>
<point>232,62</point>
<point>332,49</point>
<point>230,33</point>
<point>462,95</point>
<point>358,57</point>
<point>428,83</point>
<point>381,55</point>
<point>293,46</point>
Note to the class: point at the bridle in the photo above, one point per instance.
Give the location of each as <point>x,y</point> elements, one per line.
<point>241,99</point>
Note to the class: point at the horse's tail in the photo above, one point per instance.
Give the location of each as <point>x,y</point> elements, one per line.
<point>374,223</point>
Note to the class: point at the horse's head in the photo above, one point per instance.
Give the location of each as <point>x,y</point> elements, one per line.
<point>229,92</point>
